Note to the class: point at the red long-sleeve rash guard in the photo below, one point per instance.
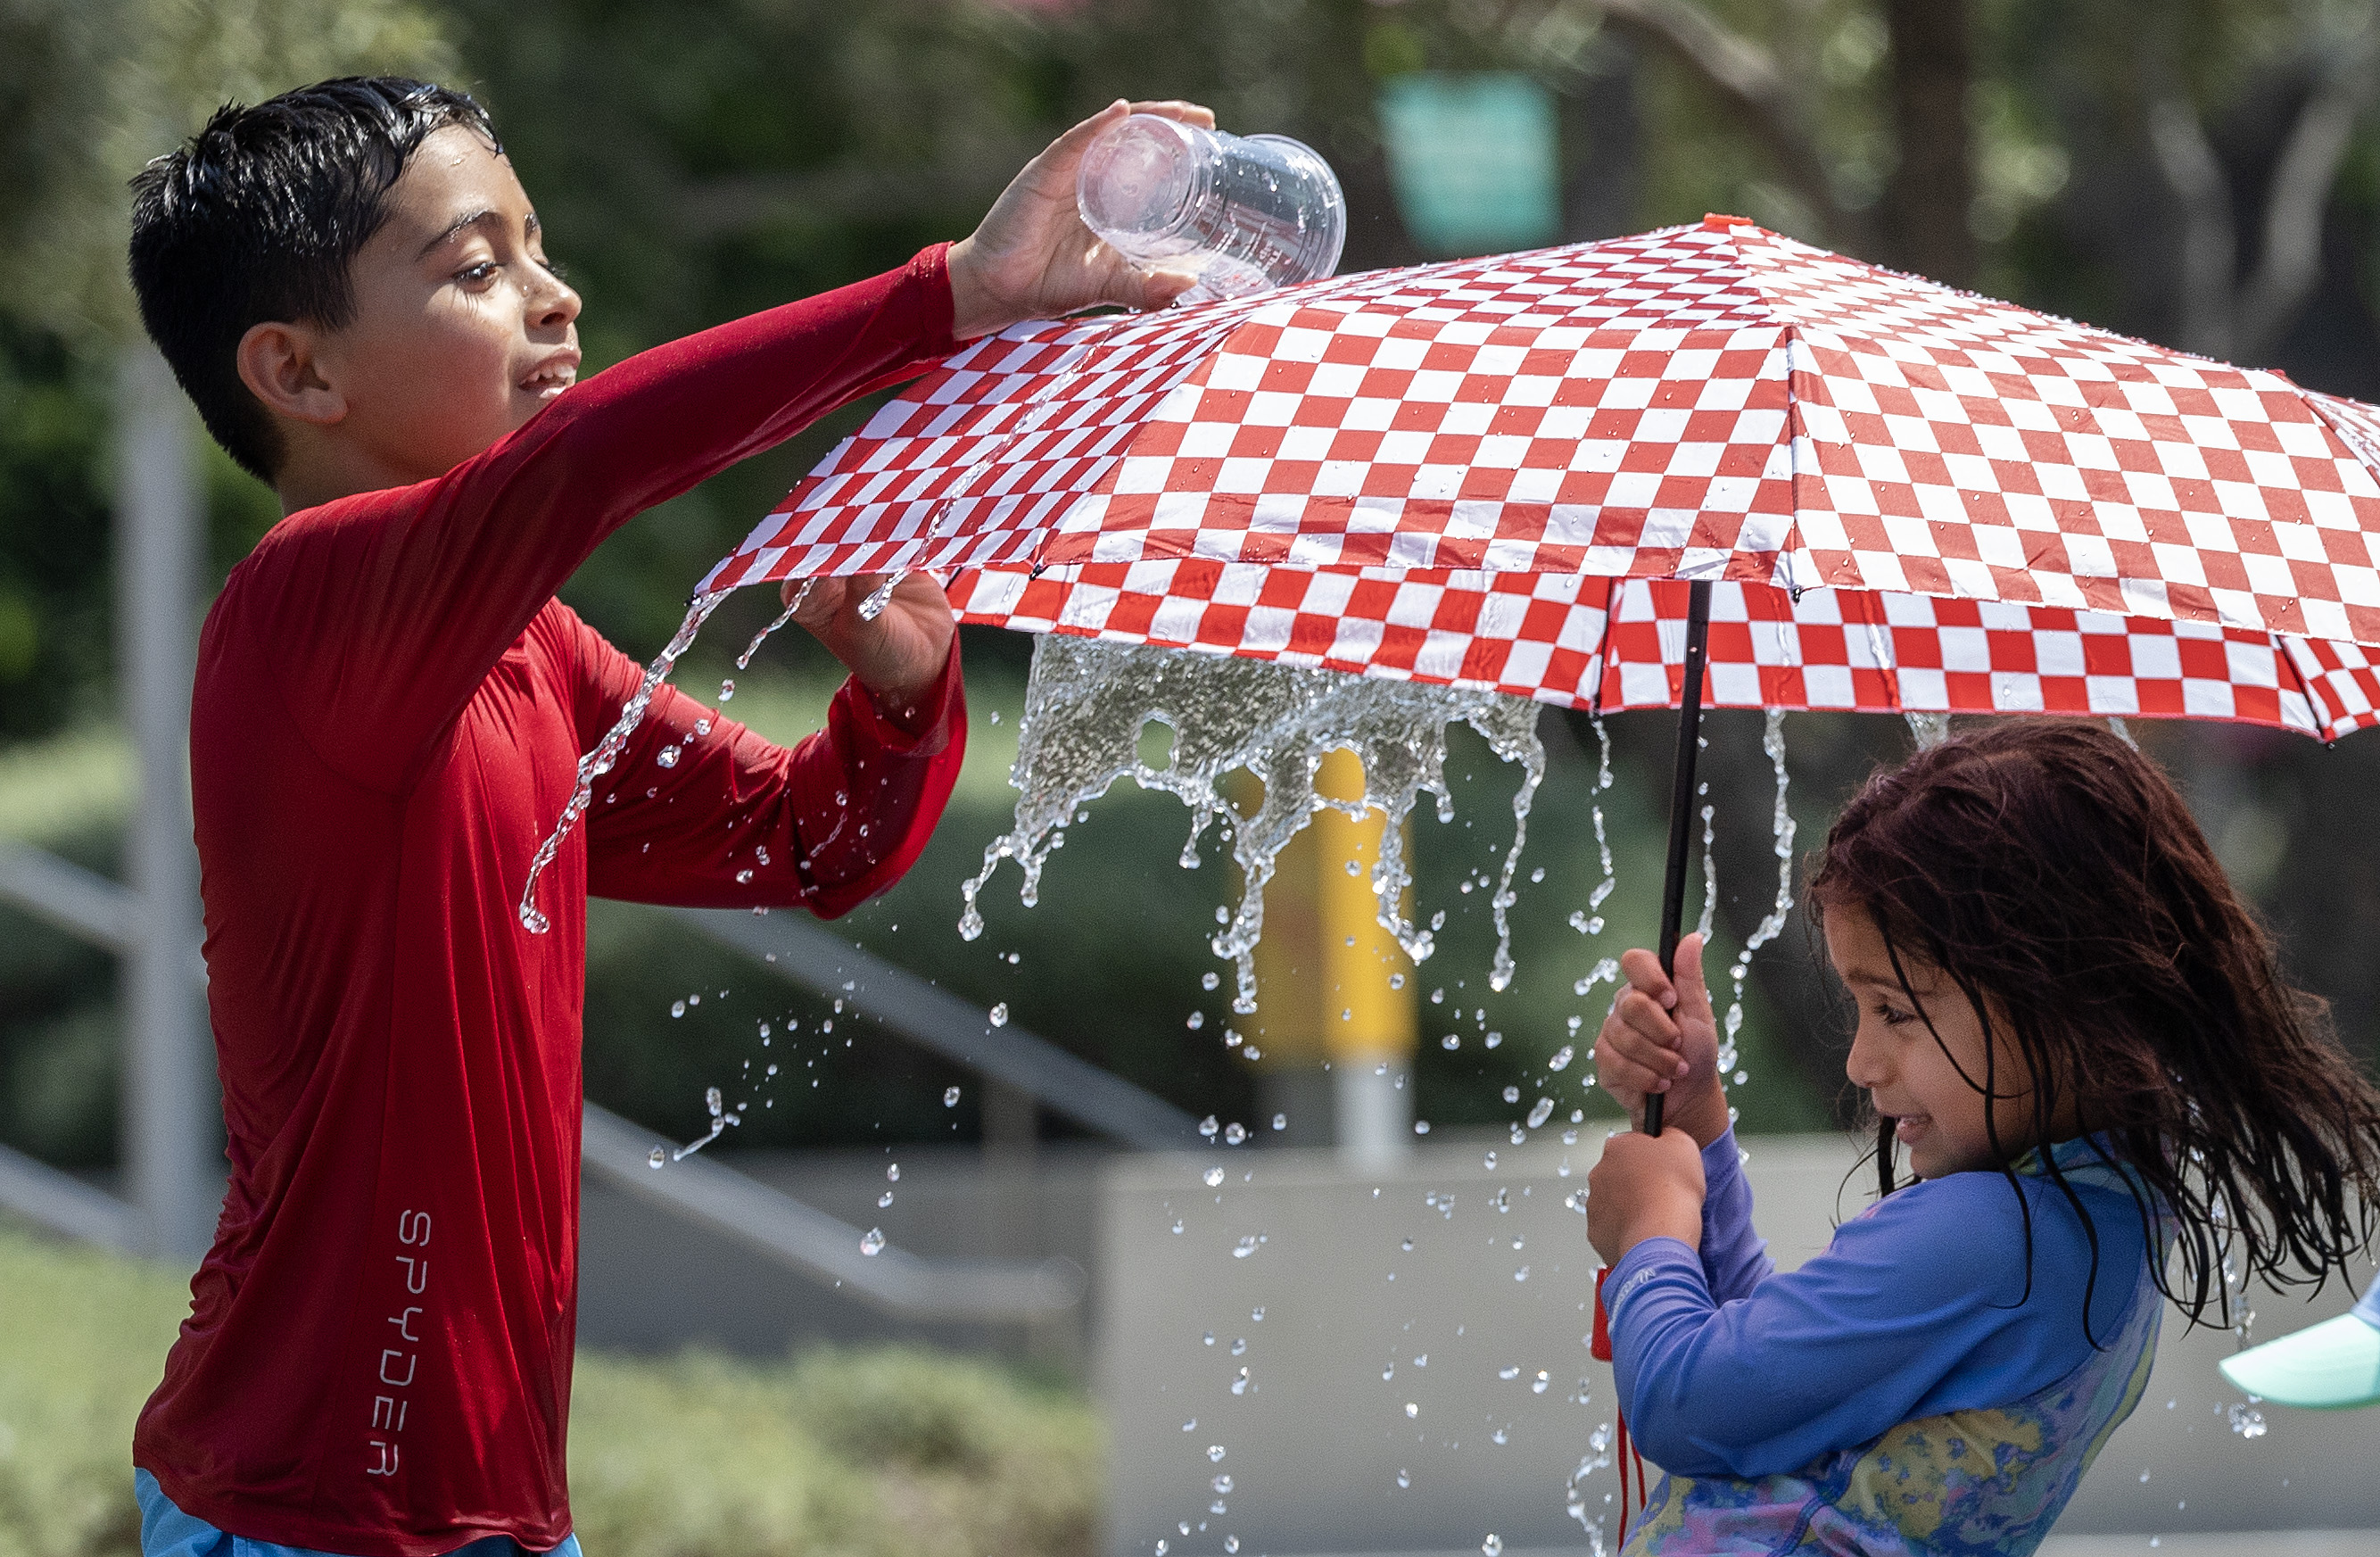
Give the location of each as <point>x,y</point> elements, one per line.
<point>389,712</point>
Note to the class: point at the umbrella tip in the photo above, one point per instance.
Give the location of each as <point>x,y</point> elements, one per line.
<point>1715,222</point>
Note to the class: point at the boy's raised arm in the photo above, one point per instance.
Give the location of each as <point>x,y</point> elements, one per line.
<point>395,604</point>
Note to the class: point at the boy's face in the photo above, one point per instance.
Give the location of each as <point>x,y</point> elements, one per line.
<point>461,331</point>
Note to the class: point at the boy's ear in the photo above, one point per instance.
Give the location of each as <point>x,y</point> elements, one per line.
<point>277,363</point>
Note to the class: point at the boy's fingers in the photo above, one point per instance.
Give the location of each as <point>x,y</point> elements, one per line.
<point>1196,114</point>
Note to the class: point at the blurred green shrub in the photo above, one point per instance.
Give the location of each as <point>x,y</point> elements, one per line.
<point>888,1451</point>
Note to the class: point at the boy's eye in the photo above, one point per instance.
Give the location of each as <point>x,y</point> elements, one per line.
<point>1893,1016</point>
<point>478,275</point>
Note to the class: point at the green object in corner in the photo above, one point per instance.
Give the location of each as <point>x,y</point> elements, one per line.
<point>2328,1367</point>
<point>1473,160</point>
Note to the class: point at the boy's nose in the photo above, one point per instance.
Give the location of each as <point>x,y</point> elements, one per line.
<point>558,307</point>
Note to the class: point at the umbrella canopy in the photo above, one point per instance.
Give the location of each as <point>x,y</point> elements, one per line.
<point>1436,472</point>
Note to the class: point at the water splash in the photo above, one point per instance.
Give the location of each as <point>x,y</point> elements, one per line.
<point>880,596</point>
<point>720,1120</point>
<point>607,751</point>
<point>1087,702</point>
<point>744,660</point>
<point>1710,872</point>
<point>1780,833</point>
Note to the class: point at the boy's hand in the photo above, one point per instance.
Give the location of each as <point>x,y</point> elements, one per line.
<point>1645,1186</point>
<point>1661,1038</point>
<point>1032,257</point>
<point>899,654</point>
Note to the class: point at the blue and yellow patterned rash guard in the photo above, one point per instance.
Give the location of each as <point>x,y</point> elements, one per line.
<point>1901,1394</point>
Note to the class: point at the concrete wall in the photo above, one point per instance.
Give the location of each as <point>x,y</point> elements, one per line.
<point>1338,1437</point>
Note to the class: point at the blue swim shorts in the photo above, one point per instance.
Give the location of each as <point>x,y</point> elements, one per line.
<point>166,1531</point>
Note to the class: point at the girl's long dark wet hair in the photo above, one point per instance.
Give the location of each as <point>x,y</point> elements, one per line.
<point>2054,875</point>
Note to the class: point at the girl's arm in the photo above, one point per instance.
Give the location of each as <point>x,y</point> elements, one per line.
<point>1734,1257</point>
<point>1919,1306</point>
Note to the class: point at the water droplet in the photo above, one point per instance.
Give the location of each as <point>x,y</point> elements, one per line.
<point>1542,1379</point>
<point>658,1158</point>
<point>1421,1127</point>
<point>1281,1121</point>
<point>1246,1246</point>
<point>693,1000</point>
<point>727,691</point>
<point>703,727</point>
<point>744,876</point>
<point>1512,1094</point>
<point>1214,1453</point>
<point>1493,1546</point>
<point>1412,1410</point>
<point>872,1241</point>
<point>892,1172</point>
<point>1161,1548</point>
<point>1540,1114</point>
<point>1235,1133</point>
<point>1214,1179</point>
<point>666,757</point>
<point>950,1098</point>
<point>1508,1373</point>
<point>710,1101</point>
<point>677,1008</point>
<point>999,1014</point>
<point>1210,978</point>
<point>1223,1483</point>
<point>1257,1314</point>
<point>1491,1163</point>
<point>1450,1042</point>
<point>1498,1437</point>
<point>1563,1057</point>
<point>1208,1126</point>
<point>1240,1347</point>
<point>1231,1544</point>
<point>1197,1019</point>
<point>1404,1478</point>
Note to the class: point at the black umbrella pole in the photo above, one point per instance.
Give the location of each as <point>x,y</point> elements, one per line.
<point>1681,798</point>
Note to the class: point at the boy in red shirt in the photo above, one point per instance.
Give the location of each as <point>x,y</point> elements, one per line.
<point>390,706</point>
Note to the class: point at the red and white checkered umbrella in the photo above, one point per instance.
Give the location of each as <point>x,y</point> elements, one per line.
<point>1913,498</point>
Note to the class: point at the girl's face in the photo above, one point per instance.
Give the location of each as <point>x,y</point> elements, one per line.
<point>1939,1114</point>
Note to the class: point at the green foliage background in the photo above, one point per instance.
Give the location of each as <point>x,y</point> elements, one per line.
<point>877,1452</point>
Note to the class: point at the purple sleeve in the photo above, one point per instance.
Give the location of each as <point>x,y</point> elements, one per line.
<point>1735,1258</point>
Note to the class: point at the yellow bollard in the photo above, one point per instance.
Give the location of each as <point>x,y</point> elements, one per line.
<point>1331,985</point>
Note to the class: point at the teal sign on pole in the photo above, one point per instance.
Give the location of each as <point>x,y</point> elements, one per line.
<point>1471,159</point>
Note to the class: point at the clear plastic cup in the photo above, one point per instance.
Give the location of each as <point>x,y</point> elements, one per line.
<point>1247,213</point>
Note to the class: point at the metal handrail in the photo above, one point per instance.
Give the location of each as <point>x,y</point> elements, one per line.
<point>805,1239</point>
<point>796,948</point>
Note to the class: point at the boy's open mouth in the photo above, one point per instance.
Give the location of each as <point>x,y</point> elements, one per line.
<point>553,375</point>
<point>1908,1128</point>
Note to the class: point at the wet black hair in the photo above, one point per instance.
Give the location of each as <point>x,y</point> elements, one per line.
<point>258,217</point>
